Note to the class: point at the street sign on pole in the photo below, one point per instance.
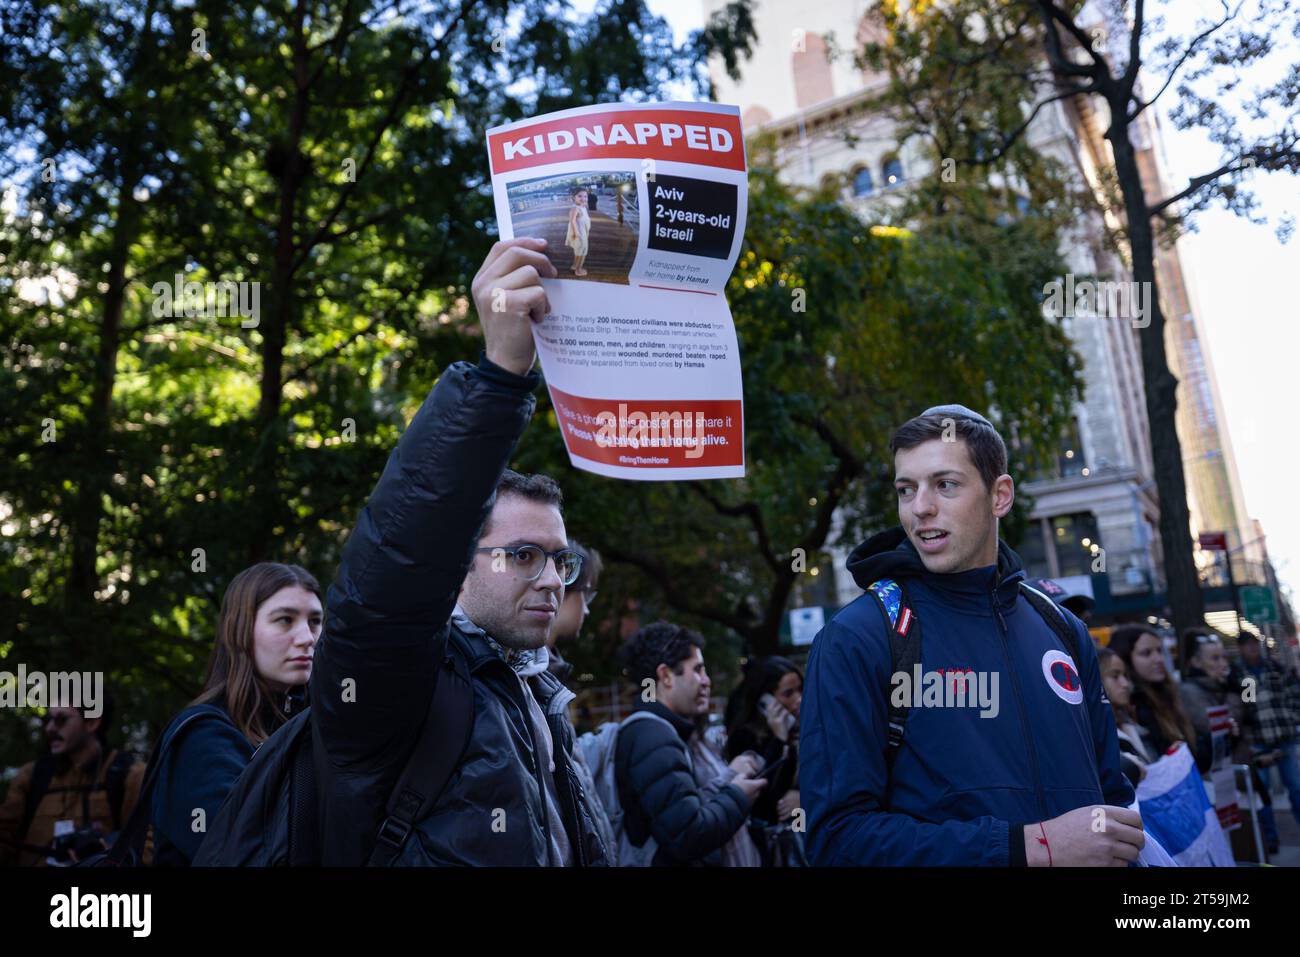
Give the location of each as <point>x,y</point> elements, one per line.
<point>1257,604</point>
<point>805,623</point>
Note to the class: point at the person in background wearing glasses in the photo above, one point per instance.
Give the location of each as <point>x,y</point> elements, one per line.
<point>568,624</point>
<point>62,806</point>
<point>458,565</point>
<point>574,609</point>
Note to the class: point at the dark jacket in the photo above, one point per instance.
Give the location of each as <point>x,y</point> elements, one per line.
<point>661,799</point>
<point>962,785</point>
<point>770,749</point>
<point>557,666</point>
<point>196,773</point>
<point>389,610</point>
<point>1200,692</point>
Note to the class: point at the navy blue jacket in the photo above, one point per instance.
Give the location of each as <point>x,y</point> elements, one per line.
<point>962,785</point>
<point>198,772</point>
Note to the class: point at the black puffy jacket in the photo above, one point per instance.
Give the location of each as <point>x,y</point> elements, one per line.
<point>388,611</point>
<point>661,799</point>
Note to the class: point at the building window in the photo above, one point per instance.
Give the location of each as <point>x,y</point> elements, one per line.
<point>1071,460</point>
<point>1066,461</point>
<point>862,184</point>
<point>1076,542</point>
<point>891,171</point>
<point>1032,550</point>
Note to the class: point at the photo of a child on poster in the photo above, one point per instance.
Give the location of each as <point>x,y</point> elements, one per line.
<point>642,209</point>
<point>591,221</point>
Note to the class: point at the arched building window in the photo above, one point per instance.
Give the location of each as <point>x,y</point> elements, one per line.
<point>891,170</point>
<point>812,72</point>
<point>862,185</point>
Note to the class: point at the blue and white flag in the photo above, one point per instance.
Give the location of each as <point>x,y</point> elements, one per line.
<point>1176,811</point>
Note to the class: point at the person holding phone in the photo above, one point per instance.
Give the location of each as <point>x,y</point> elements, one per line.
<point>764,718</point>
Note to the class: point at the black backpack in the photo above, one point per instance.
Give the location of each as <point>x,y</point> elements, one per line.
<point>272,816</point>
<point>128,848</point>
<point>905,642</point>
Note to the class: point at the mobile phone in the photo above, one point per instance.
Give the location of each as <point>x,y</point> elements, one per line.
<point>771,768</point>
<point>787,718</point>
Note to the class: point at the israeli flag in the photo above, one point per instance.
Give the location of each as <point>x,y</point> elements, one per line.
<point>1178,814</point>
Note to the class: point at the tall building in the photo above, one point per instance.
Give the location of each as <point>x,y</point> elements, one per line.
<point>1095,514</point>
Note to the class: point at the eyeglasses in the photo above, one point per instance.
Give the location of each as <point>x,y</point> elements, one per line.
<point>529,561</point>
<point>58,720</point>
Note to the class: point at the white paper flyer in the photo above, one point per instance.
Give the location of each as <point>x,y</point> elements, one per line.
<point>643,207</point>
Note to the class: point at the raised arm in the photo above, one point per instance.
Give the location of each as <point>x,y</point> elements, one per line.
<point>413,542</point>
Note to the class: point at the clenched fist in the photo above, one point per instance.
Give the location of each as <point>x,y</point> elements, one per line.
<point>509,297</point>
<point>1100,835</point>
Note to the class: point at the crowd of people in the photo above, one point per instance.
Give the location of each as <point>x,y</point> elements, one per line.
<point>439,729</point>
<point>1154,711</point>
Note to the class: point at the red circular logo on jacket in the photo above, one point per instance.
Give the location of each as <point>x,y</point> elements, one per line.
<point>1062,676</point>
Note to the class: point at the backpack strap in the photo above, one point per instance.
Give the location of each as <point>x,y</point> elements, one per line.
<point>1051,613</point>
<point>130,838</point>
<point>904,630</point>
<point>304,806</point>
<point>115,784</point>
<point>42,775</point>
<point>434,760</point>
<point>1055,618</point>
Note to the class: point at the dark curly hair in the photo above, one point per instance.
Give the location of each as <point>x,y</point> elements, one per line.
<point>660,643</point>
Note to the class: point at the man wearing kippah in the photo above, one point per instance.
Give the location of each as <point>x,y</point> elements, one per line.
<point>952,715</point>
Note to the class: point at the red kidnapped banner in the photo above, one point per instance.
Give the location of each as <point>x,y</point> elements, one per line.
<point>667,135</point>
<point>651,433</point>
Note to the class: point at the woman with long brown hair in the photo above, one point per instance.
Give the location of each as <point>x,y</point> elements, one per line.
<point>1156,702</point>
<point>271,617</point>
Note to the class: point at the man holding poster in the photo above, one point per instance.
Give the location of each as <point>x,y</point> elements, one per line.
<point>638,346</point>
<point>455,572</point>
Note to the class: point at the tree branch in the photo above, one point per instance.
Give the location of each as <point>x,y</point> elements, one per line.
<point>1056,52</point>
<point>752,512</point>
<point>1192,48</point>
<point>1259,158</point>
<point>664,578</point>
<point>1134,49</point>
<point>389,117</point>
<point>1010,139</point>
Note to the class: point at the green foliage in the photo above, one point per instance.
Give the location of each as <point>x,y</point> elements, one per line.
<point>230,162</point>
<point>334,155</point>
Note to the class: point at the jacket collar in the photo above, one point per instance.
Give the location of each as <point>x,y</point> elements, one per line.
<point>482,652</point>
<point>891,554</point>
<point>683,726</point>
